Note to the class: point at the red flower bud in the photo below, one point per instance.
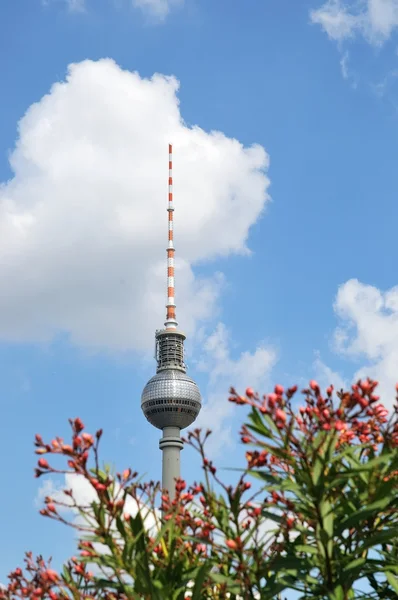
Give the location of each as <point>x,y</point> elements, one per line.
<point>100,487</point>
<point>340,425</point>
<point>67,449</point>
<point>279,390</point>
<point>249,392</point>
<point>88,438</point>
<point>50,575</point>
<point>43,463</point>
<point>280,415</point>
<point>78,425</point>
<point>232,544</point>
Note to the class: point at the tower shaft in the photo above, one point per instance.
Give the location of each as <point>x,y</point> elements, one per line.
<point>171,445</point>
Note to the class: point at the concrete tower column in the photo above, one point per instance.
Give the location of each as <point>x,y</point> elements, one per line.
<point>171,445</point>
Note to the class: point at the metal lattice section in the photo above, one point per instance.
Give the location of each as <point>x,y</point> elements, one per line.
<point>170,350</point>
<point>171,399</point>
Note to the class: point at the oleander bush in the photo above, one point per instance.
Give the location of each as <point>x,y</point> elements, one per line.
<point>314,511</point>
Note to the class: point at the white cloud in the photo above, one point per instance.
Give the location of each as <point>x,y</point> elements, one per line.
<point>344,65</point>
<point>249,369</point>
<point>157,8</point>
<point>83,222</point>
<point>335,19</point>
<point>369,331</point>
<point>375,20</point>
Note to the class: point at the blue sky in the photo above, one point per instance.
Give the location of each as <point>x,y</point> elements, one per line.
<point>83,221</point>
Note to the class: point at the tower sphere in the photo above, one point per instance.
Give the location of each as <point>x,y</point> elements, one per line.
<point>171,399</point>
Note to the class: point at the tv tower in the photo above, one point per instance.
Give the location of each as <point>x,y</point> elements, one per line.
<point>170,400</point>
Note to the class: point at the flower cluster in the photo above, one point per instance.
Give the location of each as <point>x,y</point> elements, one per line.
<point>356,415</point>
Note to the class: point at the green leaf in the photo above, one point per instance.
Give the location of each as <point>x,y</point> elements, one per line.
<point>358,562</point>
<point>233,587</point>
<point>392,580</point>
<point>272,516</point>
<point>381,537</point>
<point>317,470</point>
<point>306,548</point>
<point>120,527</point>
<point>364,513</point>
<point>66,575</point>
<point>265,476</point>
<point>199,580</point>
<point>337,594</point>
<point>327,515</point>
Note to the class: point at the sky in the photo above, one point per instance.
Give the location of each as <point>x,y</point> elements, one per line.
<point>283,118</point>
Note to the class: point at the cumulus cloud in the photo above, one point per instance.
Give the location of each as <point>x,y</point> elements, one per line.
<point>250,368</point>
<point>157,8</point>
<point>375,20</point>
<point>83,218</point>
<point>368,331</point>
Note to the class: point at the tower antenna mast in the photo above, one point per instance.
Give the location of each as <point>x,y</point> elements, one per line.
<point>171,322</point>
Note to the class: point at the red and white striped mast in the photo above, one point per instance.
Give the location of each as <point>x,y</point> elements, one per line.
<point>171,322</point>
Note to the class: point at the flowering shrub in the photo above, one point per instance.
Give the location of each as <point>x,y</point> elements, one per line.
<point>322,517</point>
